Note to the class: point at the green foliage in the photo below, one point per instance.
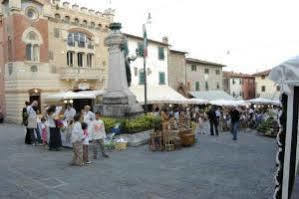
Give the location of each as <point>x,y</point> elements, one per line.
<point>269,127</point>
<point>134,125</point>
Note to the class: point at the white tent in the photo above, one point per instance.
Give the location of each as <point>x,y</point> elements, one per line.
<point>197,101</point>
<point>158,95</point>
<point>264,101</point>
<point>228,103</point>
<point>74,95</point>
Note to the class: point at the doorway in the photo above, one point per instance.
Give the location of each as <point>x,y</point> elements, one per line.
<point>35,95</point>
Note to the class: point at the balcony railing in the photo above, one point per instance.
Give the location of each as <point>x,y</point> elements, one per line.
<point>80,73</point>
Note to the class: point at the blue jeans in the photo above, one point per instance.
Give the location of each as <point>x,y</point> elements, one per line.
<point>37,131</point>
<point>234,129</point>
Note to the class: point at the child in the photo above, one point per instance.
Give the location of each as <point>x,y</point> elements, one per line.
<point>98,136</point>
<point>44,131</point>
<point>85,143</point>
<point>200,124</point>
<point>77,141</point>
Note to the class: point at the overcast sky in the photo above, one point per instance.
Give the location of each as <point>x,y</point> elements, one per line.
<point>246,35</point>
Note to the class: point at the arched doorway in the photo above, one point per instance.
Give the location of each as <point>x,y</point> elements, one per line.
<point>35,95</point>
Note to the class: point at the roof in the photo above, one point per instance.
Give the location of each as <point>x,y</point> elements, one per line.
<point>232,74</point>
<point>141,38</point>
<point>178,51</point>
<point>263,73</point>
<point>212,95</point>
<point>204,62</point>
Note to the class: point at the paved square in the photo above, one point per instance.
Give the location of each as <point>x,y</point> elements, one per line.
<point>215,168</point>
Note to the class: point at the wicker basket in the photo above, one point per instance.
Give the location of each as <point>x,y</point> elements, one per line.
<point>187,139</point>
<point>121,146</point>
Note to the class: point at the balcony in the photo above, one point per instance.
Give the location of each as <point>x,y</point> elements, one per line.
<point>77,73</point>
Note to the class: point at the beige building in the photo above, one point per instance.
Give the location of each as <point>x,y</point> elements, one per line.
<point>203,75</point>
<point>265,88</point>
<point>51,47</point>
<point>177,71</point>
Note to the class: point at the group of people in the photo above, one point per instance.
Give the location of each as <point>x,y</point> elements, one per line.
<point>80,129</point>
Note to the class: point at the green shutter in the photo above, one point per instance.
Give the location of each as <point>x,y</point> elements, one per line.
<point>161,53</point>
<point>197,86</point>
<point>140,49</point>
<point>161,78</point>
<point>141,77</point>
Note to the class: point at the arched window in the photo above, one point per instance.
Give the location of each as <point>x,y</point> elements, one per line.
<point>81,39</point>
<point>67,19</point>
<point>32,47</point>
<point>84,23</point>
<point>76,21</point>
<point>57,16</point>
<point>99,25</point>
<point>92,24</point>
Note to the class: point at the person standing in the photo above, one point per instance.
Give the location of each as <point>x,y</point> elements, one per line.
<point>55,136</point>
<point>98,134</point>
<point>32,122</point>
<point>88,117</point>
<point>165,119</point>
<point>235,118</point>
<point>213,121</point>
<point>69,115</point>
<point>77,141</point>
<point>25,123</point>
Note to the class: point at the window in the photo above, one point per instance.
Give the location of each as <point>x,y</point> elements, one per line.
<point>218,85</point>
<point>89,43</point>
<point>92,24</point>
<point>197,88</point>
<point>32,52</point>
<point>161,78</point>
<point>207,71</point>
<point>161,53</point>
<point>84,23</point>
<point>263,77</point>
<point>193,67</point>
<point>234,81</point>
<point>57,16</point>
<point>81,39</point>
<point>141,77</point>
<point>89,60</point>
<point>263,88</point>
<point>240,93</point>
<point>99,26</point>
<point>80,59</point>
<point>135,71</point>
<point>56,32</point>
<point>278,88</point>
<point>217,72</point>
<point>32,13</point>
<point>9,49</point>
<point>67,19</point>
<point>70,58</point>
<point>207,86</point>
<point>140,49</point>
<point>76,21</point>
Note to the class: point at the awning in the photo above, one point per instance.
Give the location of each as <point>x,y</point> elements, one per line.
<point>264,101</point>
<point>212,95</point>
<point>158,95</point>
<point>74,95</point>
<point>230,103</point>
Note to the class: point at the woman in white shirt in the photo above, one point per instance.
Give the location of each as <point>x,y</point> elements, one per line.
<point>55,136</point>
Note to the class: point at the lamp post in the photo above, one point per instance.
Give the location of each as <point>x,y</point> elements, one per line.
<point>144,60</point>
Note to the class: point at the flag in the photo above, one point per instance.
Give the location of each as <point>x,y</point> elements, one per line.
<point>144,41</point>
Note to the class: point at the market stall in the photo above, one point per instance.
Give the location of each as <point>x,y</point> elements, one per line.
<point>229,103</point>
<point>264,101</point>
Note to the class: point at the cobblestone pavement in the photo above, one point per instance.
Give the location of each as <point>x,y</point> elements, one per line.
<point>215,168</point>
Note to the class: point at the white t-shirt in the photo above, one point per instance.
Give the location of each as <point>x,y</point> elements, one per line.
<point>77,133</point>
<point>98,130</point>
<point>69,114</point>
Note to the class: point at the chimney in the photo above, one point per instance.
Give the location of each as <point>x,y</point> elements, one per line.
<point>165,40</point>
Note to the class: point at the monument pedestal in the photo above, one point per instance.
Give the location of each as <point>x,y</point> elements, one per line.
<point>118,100</point>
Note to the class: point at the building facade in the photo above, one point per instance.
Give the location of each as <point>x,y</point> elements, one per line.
<point>265,88</point>
<point>239,85</point>
<point>177,71</point>
<point>156,61</point>
<point>203,75</point>
<point>49,47</point>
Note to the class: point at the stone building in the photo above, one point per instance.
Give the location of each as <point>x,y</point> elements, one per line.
<point>177,71</point>
<point>264,87</point>
<point>239,85</point>
<point>48,47</point>
<point>203,75</point>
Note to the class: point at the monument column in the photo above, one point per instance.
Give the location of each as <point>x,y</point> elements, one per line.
<point>118,100</point>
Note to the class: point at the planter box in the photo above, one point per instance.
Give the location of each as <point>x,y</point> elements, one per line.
<point>137,139</point>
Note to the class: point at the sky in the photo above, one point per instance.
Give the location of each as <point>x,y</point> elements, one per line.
<point>246,35</point>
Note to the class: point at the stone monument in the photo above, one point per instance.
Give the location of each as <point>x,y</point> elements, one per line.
<point>118,100</point>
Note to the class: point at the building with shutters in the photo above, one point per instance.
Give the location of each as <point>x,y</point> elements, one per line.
<point>49,47</point>
<point>157,61</point>
<point>264,87</point>
<point>203,75</point>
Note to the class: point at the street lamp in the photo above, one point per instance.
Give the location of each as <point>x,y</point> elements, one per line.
<point>148,21</point>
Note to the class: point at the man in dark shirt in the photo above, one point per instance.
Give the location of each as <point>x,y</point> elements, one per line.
<point>235,117</point>
<point>213,121</point>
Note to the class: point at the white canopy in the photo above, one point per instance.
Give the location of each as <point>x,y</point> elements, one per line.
<point>158,95</point>
<point>197,101</point>
<point>228,103</point>
<point>264,101</point>
<point>74,95</point>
